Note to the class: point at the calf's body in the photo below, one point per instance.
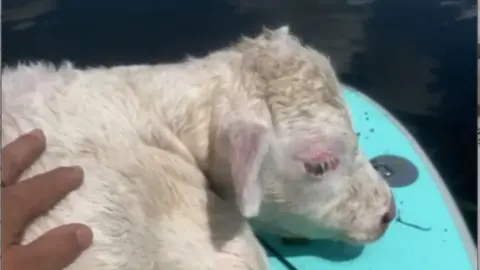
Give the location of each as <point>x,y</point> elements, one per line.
<point>141,135</point>
<point>263,118</point>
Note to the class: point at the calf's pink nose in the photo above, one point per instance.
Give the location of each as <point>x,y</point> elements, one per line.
<point>391,213</point>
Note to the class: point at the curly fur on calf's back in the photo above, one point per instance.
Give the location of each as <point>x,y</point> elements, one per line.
<point>141,134</point>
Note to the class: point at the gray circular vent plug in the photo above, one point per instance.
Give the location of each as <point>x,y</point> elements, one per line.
<point>397,171</point>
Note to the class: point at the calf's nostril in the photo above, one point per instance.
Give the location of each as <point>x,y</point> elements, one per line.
<point>391,213</point>
<point>387,218</point>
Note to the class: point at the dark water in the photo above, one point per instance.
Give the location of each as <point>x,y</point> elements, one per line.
<point>92,33</point>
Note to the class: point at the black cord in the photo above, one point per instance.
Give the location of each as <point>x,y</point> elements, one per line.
<point>287,264</point>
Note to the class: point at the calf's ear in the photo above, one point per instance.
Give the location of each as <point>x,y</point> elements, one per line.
<point>248,145</point>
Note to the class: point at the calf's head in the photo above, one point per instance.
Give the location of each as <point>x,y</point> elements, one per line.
<point>293,155</point>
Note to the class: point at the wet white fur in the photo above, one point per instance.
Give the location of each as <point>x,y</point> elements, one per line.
<point>146,136</point>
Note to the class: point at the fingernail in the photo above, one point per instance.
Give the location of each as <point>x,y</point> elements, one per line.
<point>38,133</point>
<point>84,237</point>
<point>76,175</point>
<point>77,169</point>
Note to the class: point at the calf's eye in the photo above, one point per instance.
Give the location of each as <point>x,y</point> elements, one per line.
<point>321,168</point>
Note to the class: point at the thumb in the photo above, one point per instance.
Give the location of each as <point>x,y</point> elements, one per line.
<point>57,248</point>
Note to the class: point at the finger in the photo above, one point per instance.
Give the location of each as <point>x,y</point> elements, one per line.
<point>20,154</point>
<point>30,198</point>
<point>54,250</point>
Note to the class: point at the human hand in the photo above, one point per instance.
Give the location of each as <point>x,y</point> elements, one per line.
<point>24,201</point>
